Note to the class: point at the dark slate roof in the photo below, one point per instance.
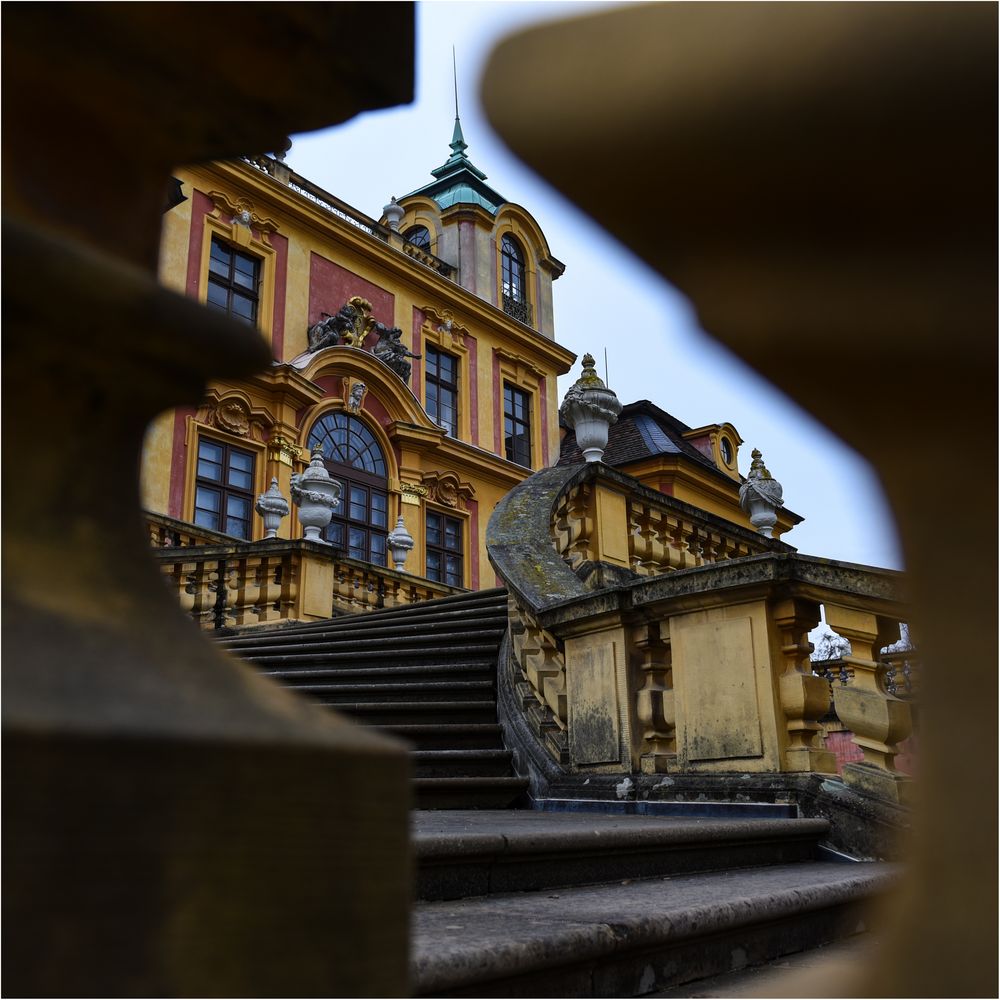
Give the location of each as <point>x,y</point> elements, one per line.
<point>642,430</point>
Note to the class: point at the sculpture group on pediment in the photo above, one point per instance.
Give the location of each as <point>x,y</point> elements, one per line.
<point>392,352</point>
<point>350,328</point>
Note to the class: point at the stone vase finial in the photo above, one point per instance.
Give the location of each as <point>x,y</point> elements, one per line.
<point>400,542</point>
<point>272,507</point>
<point>590,408</point>
<point>317,496</point>
<point>393,213</point>
<point>760,496</point>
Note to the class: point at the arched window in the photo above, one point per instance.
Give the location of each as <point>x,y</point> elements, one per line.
<point>419,236</point>
<point>515,298</point>
<point>353,457</point>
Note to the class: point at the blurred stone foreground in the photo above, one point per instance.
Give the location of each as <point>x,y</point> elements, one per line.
<point>824,176</point>
<point>177,825</point>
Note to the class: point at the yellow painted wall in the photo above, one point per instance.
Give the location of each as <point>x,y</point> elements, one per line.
<point>271,405</point>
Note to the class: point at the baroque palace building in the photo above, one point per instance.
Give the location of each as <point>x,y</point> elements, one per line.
<point>418,350</point>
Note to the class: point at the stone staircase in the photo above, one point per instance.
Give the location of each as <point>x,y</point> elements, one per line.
<point>537,904</point>
<point>528,902</point>
<point>425,673</point>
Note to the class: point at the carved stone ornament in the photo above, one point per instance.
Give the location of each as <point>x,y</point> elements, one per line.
<point>241,213</point>
<point>272,507</point>
<point>283,449</point>
<point>400,543</point>
<point>317,496</point>
<point>761,496</point>
<point>443,322</point>
<point>348,328</point>
<point>393,213</point>
<point>232,415</point>
<point>412,493</point>
<point>351,326</point>
<point>447,489</point>
<point>392,352</point>
<point>356,396</point>
<point>590,408</point>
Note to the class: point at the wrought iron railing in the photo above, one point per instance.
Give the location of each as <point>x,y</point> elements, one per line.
<point>517,308</point>
<point>332,204</point>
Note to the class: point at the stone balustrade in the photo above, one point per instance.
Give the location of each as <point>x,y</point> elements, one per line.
<point>879,720</point>
<point>611,520</point>
<point>236,584</point>
<point>169,532</point>
<point>653,639</point>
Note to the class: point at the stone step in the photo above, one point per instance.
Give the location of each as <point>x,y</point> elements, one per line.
<point>442,609</point>
<point>468,763</point>
<point>459,670</point>
<point>474,855</point>
<point>629,940</point>
<point>425,713</point>
<point>413,692</point>
<point>412,633</point>
<point>425,673</point>
<point>444,736</point>
<point>372,657</point>
<point>457,793</point>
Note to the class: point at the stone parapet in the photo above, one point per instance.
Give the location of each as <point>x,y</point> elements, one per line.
<point>702,667</point>
<point>233,584</point>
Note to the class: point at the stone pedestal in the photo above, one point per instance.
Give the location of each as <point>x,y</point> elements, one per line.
<point>176,824</point>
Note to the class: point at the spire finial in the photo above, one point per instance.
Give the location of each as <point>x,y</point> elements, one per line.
<point>458,143</point>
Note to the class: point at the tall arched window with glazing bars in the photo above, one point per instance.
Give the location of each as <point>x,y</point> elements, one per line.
<point>512,276</point>
<point>354,458</point>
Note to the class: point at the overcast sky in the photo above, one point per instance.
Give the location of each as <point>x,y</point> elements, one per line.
<point>607,299</point>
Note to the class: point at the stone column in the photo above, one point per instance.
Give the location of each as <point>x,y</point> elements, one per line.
<point>878,720</point>
<point>654,700</point>
<point>805,698</point>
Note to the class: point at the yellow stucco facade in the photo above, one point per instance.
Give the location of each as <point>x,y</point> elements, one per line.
<point>311,255</point>
<point>466,278</point>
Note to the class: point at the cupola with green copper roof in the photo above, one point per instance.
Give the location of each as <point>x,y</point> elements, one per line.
<point>458,181</point>
<point>495,248</point>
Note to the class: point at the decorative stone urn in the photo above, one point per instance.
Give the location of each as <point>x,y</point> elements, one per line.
<point>393,213</point>
<point>760,496</point>
<point>317,496</point>
<point>272,507</point>
<point>400,543</point>
<point>590,408</point>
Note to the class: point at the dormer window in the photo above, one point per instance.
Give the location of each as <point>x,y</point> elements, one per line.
<point>419,236</point>
<point>515,298</point>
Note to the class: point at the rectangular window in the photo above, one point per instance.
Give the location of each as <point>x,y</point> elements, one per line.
<point>444,549</point>
<point>441,382</point>
<point>233,281</point>
<point>517,425</point>
<point>359,522</point>
<point>223,493</point>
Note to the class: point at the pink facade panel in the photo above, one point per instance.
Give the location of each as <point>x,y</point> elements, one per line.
<point>330,286</point>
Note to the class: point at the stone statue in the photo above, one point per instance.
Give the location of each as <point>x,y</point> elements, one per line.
<point>389,350</point>
<point>761,495</point>
<point>349,327</point>
<point>357,393</point>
